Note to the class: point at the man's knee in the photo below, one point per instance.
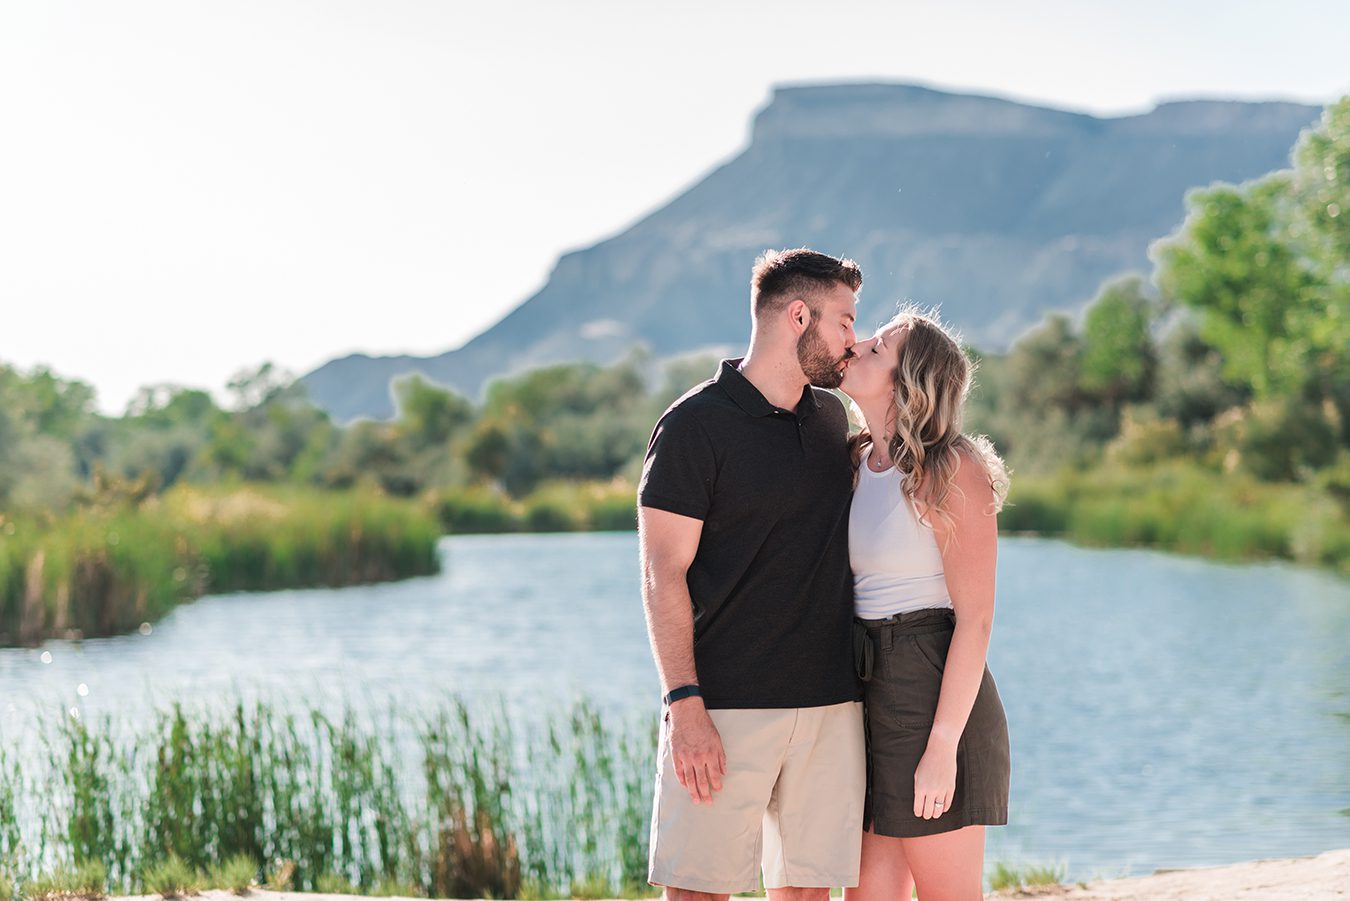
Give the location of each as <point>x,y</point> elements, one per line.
<point>684,894</point>
<point>799,894</point>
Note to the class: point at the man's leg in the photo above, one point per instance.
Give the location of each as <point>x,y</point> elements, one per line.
<point>799,894</point>
<point>813,827</point>
<point>684,894</point>
<point>705,851</point>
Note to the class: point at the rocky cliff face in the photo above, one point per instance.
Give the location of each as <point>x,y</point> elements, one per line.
<point>996,210</point>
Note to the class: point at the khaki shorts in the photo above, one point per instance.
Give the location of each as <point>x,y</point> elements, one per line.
<point>791,801</point>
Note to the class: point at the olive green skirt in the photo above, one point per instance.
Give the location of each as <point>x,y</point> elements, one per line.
<point>900,660</point>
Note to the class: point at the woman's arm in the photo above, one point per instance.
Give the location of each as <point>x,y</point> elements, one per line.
<point>969,545</point>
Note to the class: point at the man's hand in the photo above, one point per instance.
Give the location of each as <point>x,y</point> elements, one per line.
<point>696,750</point>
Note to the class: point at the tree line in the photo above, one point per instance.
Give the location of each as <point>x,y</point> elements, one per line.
<point>1233,353</point>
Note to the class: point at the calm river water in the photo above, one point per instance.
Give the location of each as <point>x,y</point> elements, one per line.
<point>1164,711</point>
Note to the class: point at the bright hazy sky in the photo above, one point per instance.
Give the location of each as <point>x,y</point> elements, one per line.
<point>188,188</point>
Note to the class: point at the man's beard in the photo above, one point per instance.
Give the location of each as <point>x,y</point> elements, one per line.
<point>821,368</point>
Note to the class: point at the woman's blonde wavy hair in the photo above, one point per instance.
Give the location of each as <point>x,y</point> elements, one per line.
<point>933,377</point>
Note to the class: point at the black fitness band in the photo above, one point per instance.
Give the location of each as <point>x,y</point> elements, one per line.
<point>679,694</point>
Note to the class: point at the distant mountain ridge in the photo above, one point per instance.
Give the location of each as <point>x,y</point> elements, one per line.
<point>997,210</point>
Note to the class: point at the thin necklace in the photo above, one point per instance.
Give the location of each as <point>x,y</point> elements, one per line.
<point>886,465</point>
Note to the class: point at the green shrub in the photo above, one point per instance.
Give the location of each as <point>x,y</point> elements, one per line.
<point>172,878</point>
<point>392,888</point>
<point>281,877</point>
<point>551,514</point>
<point>1146,438</point>
<point>1009,877</point>
<point>615,511</point>
<point>237,874</point>
<point>333,884</point>
<point>475,510</point>
<point>89,881</point>
<point>1280,440</point>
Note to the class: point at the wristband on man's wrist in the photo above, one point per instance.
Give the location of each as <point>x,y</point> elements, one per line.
<point>679,694</point>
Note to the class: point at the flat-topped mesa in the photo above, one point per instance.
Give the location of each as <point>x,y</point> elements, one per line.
<point>1208,117</point>
<point>996,210</point>
<point>895,111</point>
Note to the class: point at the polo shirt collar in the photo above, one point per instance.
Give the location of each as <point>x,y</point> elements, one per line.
<point>748,398</point>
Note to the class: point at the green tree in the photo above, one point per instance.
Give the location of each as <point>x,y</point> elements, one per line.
<point>41,418</point>
<point>165,405</point>
<point>1191,387</point>
<point>1322,232</point>
<point>253,388</point>
<point>1044,367</point>
<point>1118,360</point>
<point>1264,264</point>
<point>487,450</point>
<point>1233,263</point>
<point>576,420</point>
<point>428,414</point>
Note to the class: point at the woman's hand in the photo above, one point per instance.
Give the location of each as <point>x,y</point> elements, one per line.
<point>934,782</point>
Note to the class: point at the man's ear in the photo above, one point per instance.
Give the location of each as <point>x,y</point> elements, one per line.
<point>799,316</point>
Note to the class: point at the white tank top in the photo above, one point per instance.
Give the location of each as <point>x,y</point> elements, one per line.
<point>897,566</point>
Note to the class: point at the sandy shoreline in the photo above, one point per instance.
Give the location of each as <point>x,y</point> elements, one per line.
<point>1326,876</point>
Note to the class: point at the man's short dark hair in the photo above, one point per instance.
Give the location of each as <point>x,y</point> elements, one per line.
<point>782,276</point>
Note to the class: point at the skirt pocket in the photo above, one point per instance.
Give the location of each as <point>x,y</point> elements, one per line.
<point>905,686</point>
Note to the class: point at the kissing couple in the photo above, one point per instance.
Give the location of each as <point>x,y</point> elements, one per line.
<point>819,608</point>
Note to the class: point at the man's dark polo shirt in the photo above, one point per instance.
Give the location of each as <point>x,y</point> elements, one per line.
<point>770,583</point>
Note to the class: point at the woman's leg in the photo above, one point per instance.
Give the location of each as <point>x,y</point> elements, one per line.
<point>884,874</point>
<point>946,867</point>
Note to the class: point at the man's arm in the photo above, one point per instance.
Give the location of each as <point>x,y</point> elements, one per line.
<point>667,544</point>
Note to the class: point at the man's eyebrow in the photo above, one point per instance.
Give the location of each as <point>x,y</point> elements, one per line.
<point>851,317</point>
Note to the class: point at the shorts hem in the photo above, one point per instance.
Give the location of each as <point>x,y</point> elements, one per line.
<point>919,828</point>
<point>841,881</point>
<point>695,884</point>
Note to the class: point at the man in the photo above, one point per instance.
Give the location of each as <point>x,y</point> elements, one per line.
<point>743,526</point>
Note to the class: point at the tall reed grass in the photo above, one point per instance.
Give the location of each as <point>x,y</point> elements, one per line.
<point>104,571</point>
<point>442,804</point>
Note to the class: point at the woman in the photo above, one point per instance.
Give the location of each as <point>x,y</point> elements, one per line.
<point>922,542</point>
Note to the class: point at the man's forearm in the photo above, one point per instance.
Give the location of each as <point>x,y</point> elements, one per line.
<point>670,625</point>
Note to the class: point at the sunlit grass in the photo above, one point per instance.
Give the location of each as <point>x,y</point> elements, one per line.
<point>101,572</point>
<point>559,506</point>
<point>87,881</point>
<point>1183,507</point>
<point>172,878</point>
<point>237,874</point>
<point>1005,876</point>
